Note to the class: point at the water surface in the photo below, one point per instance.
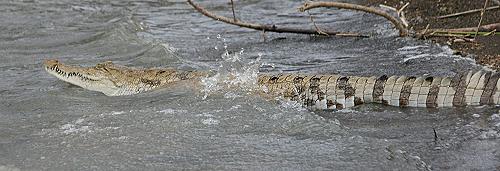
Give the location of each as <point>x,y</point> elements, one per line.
<point>46,124</point>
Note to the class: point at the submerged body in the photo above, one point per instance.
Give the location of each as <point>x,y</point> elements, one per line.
<point>313,91</point>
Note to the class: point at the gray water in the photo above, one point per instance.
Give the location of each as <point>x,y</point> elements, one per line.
<point>46,124</point>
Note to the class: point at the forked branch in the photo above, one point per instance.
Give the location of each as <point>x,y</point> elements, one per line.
<point>269,28</point>
<point>397,23</point>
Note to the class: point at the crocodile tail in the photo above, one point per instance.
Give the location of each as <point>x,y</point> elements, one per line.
<point>339,92</point>
<point>472,88</point>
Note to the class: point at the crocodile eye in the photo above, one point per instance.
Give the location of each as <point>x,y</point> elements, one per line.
<point>99,66</point>
<point>102,66</point>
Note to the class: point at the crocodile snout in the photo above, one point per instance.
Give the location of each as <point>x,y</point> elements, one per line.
<point>50,63</point>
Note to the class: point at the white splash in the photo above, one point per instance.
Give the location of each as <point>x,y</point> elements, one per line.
<point>210,85</point>
<point>289,104</point>
<point>232,73</point>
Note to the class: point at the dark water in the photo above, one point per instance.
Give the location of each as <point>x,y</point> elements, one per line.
<point>46,124</point>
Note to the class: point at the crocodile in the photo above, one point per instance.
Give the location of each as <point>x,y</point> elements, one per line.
<point>312,91</point>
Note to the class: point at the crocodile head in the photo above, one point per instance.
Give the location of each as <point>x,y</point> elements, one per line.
<point>116,80</point>
<point>101,77</point>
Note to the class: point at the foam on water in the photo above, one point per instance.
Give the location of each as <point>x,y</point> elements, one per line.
<point>289,104</point>
<point>113,113</point>
<point>489,134</point>
<point>171,111</point>
<point>76,127</point>
<point>9,168</point>
<point>210,121</point>
<point>425,52</point>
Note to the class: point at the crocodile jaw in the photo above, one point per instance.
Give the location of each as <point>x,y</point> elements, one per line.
<point>91,78</point>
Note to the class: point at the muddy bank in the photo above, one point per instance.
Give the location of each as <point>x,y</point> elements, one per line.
<point>420,13</point>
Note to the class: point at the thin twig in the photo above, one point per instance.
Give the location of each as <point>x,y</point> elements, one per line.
<point>264,35</point>
<point>400,12</point>
<point>435,34</point>
<point>403,19</point>
<point>232,7</point>
<point>388,7</point>
<point>403,8</point>
<point>423,33</point>
<point>473,33</point>
<point>426,28</point>
<point>467,12</point>
<point>268,28</point>
<point>481,19</point>
<point>397,23</point>
<point>493,32</point>
<point>468,30</point>
<point>435,135</point>
<point>315,26</point>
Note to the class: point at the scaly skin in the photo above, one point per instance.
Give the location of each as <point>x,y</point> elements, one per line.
<point>313,91</point>
<point>116,80</point>
<point>338,92</point>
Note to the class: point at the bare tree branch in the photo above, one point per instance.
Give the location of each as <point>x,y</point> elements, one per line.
<point>397,23</point>
<point>268,28</point>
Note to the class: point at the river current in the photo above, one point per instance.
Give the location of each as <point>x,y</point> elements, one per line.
<point>47,124</point>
